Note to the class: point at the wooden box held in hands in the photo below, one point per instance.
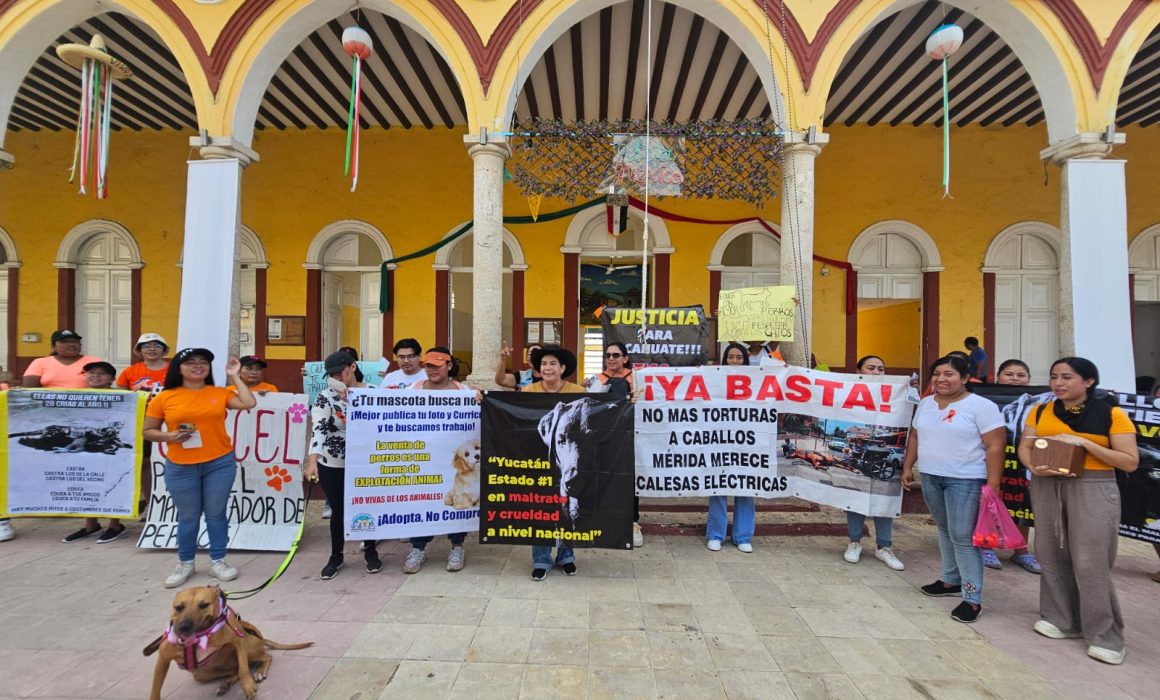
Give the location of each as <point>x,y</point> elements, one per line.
<point>1060,456</point>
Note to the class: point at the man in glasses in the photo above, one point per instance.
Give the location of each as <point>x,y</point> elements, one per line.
<point>407,353</point>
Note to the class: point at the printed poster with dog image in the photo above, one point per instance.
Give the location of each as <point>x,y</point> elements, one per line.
<point>412,463</point>
<point>772,432</point>
<point>71,452</point>
<point>266,505</point>
<point>557,467</point>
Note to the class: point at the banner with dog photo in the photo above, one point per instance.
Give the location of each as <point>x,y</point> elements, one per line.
<point>266,504</point>
<point>71,452</point>
<point>556,467</point>
<point>1140,490</point>
<point>772,432</point>
<point>412,463</point>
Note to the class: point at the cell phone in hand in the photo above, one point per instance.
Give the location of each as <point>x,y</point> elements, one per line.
<point>194,440</point>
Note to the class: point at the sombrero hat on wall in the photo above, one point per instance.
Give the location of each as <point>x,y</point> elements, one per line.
<point>76,54</point>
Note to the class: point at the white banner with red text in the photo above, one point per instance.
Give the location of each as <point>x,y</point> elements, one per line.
<point>773,432</point>
<point>266,504</point>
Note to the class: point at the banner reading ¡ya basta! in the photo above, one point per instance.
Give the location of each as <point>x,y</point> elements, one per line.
<point>266,503</point>
<point>771,432</point>
<point>412,463</point>
<point>71,452</point>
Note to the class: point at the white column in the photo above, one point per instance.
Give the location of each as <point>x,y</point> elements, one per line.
<point>208,315</point>
<point>487,264</point>
<point>1095,315</point>
<point>797,236</point>
<point>7,160</point>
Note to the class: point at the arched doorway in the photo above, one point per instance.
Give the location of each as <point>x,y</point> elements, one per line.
<point>746,255</point>
<point>344,288</point>
<point>100,264</point>
<point>1021,296</point>
<point>454,267</point>
<point>9,284</point>
<point>897,314</point>
<point>251,293</point>
<point>608,271</point>
<point>1144,265</point>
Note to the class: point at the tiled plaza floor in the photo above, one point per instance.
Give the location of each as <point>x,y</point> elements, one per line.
<point>671,620</point>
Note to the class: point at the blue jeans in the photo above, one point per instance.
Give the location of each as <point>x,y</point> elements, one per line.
<point>455,537</point>
<point>883,528</point>
<point>744,518</point>
<point>954,505</point>
<point>542,556</point>
<point>201,489</point>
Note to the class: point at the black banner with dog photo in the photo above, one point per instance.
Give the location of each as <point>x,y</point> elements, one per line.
<point>1015,402</point>
<point>556,467</point>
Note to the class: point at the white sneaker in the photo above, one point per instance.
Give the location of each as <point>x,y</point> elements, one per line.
<point>886,554</point>
<point>6,531</point>
<point>222,571</point>
<point>1108,656</point>
<point>456,558</point>
<point>853,552</point>
<point>714,545</point>
<point>745,547</point>
<point>180,575</point>
<point>1051,631</point>
<point>327,511</point>
<point>414,561</point>
<point>637,536</point>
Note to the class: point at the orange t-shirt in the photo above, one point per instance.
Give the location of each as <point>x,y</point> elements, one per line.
<point>1050,424</point>
<point>260,386</point>
<point>138,377</point>
<point>206,409</point>
<point>55,375</point>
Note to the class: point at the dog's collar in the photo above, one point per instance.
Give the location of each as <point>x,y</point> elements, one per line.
<point>200,640</point>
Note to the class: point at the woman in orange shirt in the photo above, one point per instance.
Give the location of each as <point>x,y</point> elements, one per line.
<point>1077,520</point>
<point>200,465</point>
<point>148,375</point>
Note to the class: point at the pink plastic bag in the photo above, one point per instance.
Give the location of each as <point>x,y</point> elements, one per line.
<point>995,529</point>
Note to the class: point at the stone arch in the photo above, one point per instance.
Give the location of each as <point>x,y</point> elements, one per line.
<point>280,29</point>
<point>1119,64</point>
<point>586,222</point>
<point>1031,37</point>
<point>1144,263</point>
<point>735,232</point>
<point>993,261</point>
<point>9,251</point>
<point>927,249</point>
<point>553,18</point>
<point>25,34</point>
<point>315,254</point>
<point>68,254</point>
<point>511,243</point>
<point>250,249</point>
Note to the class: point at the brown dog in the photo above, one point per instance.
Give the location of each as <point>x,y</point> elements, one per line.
<point>207,638</point>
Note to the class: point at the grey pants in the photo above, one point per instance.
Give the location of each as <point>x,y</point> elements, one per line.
<point>1077,524</point>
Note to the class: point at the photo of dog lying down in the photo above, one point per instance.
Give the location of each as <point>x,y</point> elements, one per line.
<point>208,639</point>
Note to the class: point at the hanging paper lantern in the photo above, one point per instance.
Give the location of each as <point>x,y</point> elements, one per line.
<point>942,43</point>
<point>90,162</point>
<point>357,43</point>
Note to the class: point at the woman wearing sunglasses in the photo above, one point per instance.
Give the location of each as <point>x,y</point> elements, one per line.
<point>616,379</point>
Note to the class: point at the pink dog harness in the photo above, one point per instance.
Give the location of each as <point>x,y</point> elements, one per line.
<point>201,639</point>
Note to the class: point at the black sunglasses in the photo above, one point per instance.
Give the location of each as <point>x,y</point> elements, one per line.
<point>612,355</point>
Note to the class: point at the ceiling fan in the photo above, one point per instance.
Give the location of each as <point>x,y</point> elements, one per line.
<point>612,267</point>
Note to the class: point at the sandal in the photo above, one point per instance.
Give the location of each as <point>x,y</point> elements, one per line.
<point>1028,562</point>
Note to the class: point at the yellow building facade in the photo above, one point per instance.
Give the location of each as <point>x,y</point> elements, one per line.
<point>898,269</point>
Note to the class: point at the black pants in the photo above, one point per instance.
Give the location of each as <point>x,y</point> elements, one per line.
<point>636,509</point>
<point>333,482</point>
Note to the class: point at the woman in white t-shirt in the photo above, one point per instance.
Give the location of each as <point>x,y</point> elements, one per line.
<point>958,441</point>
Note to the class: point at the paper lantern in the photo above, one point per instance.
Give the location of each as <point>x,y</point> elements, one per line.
<point>357,43</point>
<point>95,114</point>
<point>942,43</point>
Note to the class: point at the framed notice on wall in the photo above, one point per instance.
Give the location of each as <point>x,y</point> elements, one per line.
<point>286,330</point>
<point>543,331</point>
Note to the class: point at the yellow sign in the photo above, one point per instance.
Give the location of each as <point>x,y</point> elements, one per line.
<point>757,313</point>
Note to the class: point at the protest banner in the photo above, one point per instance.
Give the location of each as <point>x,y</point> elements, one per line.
<point>314,379</point>
<point>71,452</point>
<point>1015,402</point>
<point>756,313</point>
<point>771,432</point>
<point>556,467</point>
<point>266,504</point>
<point>674,337</point>
<point>412,463</point>
<point>1140,490</point>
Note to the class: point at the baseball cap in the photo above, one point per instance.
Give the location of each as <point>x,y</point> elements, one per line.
<point>436,358</point>
<point>337,361</point>
<point>64,334</point>
<point>252,360</point>
<point>103,366</point>
<point>186,354</point>
<point>150,338</point>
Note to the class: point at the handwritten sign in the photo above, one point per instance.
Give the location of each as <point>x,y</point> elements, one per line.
<point>757,313</point>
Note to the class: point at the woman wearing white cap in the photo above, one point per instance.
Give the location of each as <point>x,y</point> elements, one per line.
<point>148,375</point>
